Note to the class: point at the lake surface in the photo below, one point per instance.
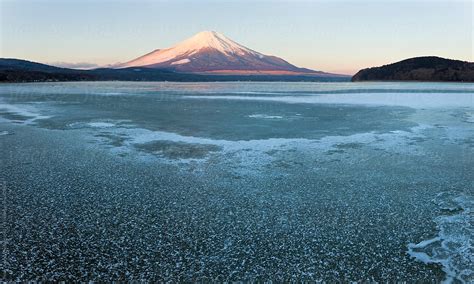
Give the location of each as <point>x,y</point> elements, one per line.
<point>238,181</point>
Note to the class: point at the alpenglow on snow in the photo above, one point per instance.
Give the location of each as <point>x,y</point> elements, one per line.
<point>211,52</point>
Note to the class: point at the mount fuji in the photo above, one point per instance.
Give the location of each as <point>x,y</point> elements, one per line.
<point>210,52</point>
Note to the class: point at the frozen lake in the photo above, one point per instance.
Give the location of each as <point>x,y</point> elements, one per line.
<point>238,181</point>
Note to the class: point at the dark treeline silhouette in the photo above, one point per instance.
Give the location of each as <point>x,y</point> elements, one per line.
<point>16,70</point>
<point>429,68</point>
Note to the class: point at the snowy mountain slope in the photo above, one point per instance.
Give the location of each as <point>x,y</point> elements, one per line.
<point>212,52</point>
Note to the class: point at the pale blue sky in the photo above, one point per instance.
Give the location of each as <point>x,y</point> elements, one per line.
<point>334,36</point>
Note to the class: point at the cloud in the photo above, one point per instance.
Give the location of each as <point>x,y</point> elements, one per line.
<point>80,65</point>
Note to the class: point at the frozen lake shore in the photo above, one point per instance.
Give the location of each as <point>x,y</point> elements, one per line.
<point>238,181</point>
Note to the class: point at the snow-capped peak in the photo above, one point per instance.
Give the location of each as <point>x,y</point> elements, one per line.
<point>211,52</point>
<point>215,40</point>
<point>202,40</point>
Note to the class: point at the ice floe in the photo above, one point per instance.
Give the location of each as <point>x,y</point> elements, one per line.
<point>452,247</point>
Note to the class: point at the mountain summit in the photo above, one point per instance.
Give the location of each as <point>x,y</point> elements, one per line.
<point>213,53</point>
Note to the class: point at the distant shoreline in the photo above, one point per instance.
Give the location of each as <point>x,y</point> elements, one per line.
<point>419,69</point>
<point>22,71</point>
<point>226,80</point>
<point>242,81</point>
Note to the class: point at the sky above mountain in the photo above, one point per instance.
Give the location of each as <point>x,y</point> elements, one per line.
<point>333,36</point>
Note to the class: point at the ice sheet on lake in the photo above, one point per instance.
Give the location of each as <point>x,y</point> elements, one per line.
<point>101,124</point>
<point>26,114</point>
<point>415,100</point>
<point>470,117</point>
<point>452,247</point>
<point>254,153</point>
<point>265,116</point>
